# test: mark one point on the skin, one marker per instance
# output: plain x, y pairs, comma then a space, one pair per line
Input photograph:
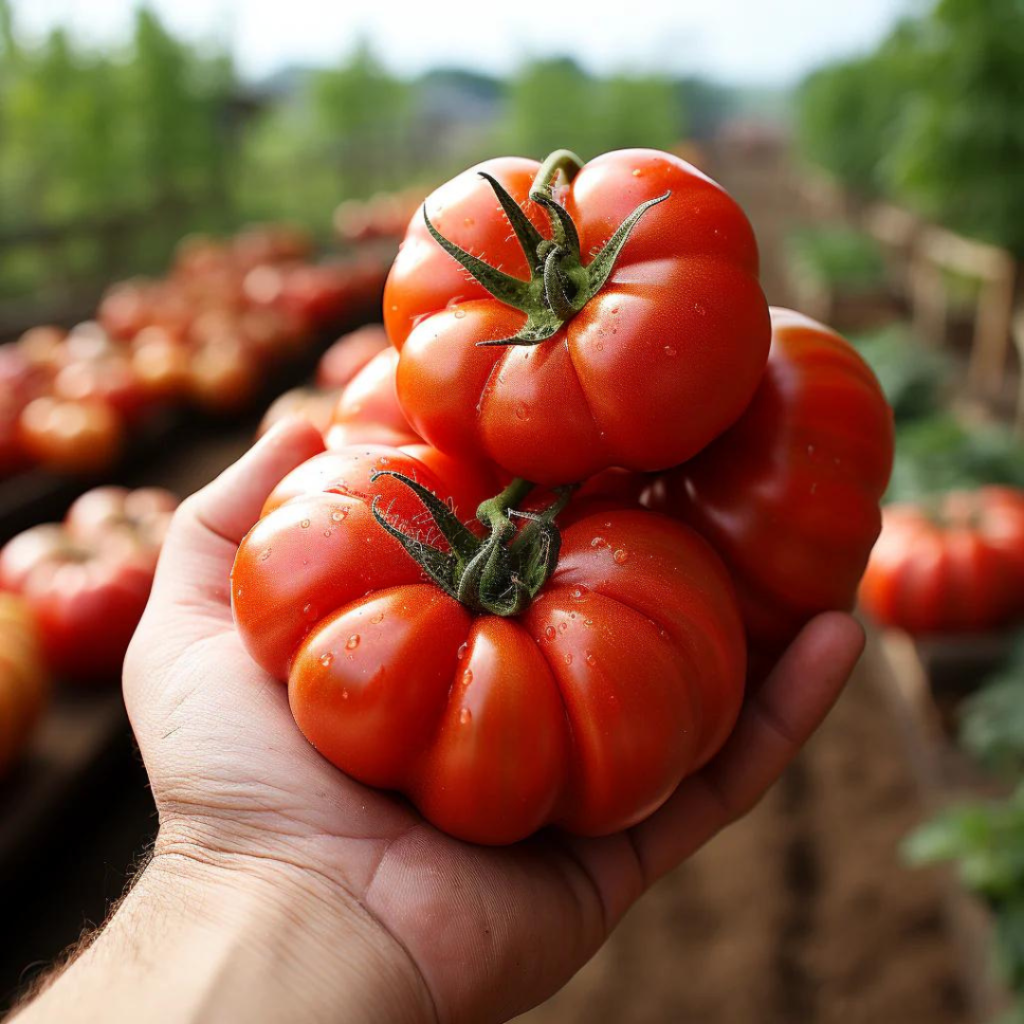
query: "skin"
955, 566
321, 898
661, 360
794, 486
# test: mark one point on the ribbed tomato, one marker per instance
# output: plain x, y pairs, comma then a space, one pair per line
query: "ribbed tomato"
504, 678
789, 496
953, 565
556, 368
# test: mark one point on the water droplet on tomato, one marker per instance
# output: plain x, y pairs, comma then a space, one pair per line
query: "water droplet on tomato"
352, 642
465, 716
637, 172
522, 412
598, 542
304, 524
326, 659
463, 649
467, 677
563, 626
671, 350
309, 611
459, 314
339, 514
379, 617
621, 556
549, 633
568, 659
577, 592
264, 554
591, 660
344, 694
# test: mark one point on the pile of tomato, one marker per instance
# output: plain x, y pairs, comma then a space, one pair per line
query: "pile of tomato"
208, 333
384, 215
588, 496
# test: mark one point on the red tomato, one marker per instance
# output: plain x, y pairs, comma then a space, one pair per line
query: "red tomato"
368, 411
86, 598
43, 347
349, 354
954, 565
24, 683
223, 376
110, 379
161, 363
789, 496
143, 514
71, 436
127, 308
640, 367
583, 707
314, 406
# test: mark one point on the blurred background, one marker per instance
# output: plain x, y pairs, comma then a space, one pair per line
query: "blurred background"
197, 198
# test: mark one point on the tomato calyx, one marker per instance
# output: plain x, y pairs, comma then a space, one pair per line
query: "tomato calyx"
499, 574
560, 285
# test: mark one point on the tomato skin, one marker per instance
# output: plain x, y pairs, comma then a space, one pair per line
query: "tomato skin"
368, 409
663, 359
956, 566
625, 673
349, 354
789, 495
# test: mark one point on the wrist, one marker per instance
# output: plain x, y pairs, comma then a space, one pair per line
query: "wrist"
212, 936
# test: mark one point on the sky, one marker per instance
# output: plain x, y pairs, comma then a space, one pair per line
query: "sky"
743, 41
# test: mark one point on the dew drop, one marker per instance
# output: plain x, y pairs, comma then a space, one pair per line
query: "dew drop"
327, 533
522, 412
671, 350
465, 716
379, 617
339, 514
326, 659
238, 592
614, 310
599, 346
621, 556
264, 554
549, 633
598, 542
588, 622
304, 524
568, 659
563, 626
352, 642
463, 649
576, 593
344, 694
591, 660
637, 172
309, 611
459, 314
467, 677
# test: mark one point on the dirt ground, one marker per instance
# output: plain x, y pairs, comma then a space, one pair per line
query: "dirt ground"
800, 914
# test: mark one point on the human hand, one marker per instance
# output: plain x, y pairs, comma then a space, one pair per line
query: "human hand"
446, 930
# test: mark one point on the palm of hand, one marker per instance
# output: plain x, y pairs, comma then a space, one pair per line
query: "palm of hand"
491, 931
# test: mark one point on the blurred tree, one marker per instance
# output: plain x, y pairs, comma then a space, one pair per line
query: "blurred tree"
960, 153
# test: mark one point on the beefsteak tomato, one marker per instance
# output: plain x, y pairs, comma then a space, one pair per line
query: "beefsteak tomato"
503, 675
555, 368
953, 565
789, 496
367, 411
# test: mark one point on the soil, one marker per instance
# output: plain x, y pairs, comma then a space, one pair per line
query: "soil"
800, 914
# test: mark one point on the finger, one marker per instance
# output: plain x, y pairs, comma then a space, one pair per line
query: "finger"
775, 723
207, 528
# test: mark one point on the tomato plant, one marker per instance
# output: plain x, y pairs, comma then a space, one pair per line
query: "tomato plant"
789, 495
504, 674
954, 564
615, 320
87, 580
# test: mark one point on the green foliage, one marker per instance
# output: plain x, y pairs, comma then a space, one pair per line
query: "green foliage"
933, 117
914, 378
939, 453
960, 154
986, 840
837, 257
554, 104
992, 720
